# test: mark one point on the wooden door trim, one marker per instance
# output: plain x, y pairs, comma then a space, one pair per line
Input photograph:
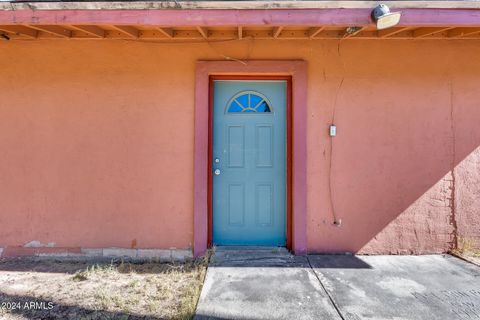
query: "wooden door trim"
296, 70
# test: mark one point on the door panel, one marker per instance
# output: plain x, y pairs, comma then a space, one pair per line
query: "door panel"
249, 150
264, 147
236, 204
236, 146
264, 204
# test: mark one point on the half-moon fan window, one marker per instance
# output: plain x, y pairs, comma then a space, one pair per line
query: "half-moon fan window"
249, 101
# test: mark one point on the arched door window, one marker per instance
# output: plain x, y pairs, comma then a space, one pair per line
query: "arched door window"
249, 101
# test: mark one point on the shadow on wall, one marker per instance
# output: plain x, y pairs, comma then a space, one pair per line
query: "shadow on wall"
409, 182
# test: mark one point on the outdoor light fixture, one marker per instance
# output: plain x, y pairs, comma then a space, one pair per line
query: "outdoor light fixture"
384, 19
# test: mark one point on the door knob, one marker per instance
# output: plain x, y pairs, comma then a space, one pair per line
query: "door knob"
217, 172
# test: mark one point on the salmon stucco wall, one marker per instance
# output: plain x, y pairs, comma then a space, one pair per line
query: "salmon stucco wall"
97, 142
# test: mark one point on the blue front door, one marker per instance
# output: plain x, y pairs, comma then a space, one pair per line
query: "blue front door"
249, 162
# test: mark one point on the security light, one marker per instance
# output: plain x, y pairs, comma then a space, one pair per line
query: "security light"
384, 19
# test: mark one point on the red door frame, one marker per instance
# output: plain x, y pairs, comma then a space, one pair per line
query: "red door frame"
288, 79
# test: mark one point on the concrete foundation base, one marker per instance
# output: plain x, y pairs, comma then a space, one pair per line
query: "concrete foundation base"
161, 255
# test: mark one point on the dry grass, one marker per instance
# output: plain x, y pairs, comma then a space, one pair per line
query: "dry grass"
467, 247
101, 291
467, 250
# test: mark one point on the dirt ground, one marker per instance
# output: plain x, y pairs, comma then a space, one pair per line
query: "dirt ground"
39, 289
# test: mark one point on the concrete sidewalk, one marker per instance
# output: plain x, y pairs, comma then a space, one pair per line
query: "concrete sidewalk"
269, 283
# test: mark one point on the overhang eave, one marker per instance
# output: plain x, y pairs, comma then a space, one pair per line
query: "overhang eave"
185, 24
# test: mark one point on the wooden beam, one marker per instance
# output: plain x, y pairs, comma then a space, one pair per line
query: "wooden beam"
20, 30
131, 32
228, 17
155, 35
223, 5
276, 31
240, 32
55, 30
264, 34
203, 32
313, 32
390, 32
90, 30
167, 32
294, 35
462, 32
424, 32
258, 34
223, 34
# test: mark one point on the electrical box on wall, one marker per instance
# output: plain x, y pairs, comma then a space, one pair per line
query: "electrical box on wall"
333, 130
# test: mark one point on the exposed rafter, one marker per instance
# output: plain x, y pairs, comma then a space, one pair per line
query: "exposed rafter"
90, 30
276, 31
54, 30
203, 32
167, 32
391, 31
425, 32
20, 30
16, 31
131, 32
462, 32
313, 32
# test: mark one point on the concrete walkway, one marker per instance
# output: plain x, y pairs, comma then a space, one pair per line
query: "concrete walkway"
269, 283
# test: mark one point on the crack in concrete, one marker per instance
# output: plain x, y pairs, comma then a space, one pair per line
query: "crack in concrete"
337, 308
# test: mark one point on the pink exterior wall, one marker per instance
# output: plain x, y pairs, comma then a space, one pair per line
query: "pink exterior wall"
97, 141
467, 171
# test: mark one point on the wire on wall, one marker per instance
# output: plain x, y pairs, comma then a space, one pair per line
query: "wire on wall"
336, 220
453, 202
205, 41
225, 56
